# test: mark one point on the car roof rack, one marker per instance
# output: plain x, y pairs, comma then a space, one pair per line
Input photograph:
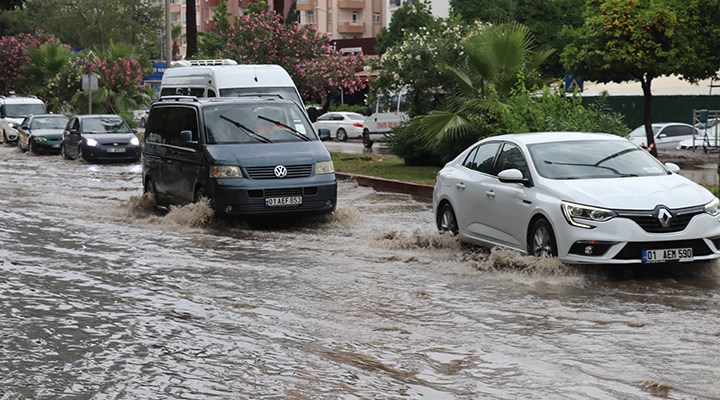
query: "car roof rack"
198, 63
178, 98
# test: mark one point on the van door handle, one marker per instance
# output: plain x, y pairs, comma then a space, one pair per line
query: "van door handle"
460, 185
490, 194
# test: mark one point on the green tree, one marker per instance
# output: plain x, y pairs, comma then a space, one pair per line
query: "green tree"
498, 57
11, 4
257, 7
44, 64
211, 43
494, 11
92, 24
409, 18
641, 40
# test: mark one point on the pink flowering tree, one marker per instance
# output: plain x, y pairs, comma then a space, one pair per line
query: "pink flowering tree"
317, 69
14, 59
120, 76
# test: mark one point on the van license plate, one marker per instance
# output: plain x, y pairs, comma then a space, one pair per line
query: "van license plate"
116, 150
283, 201
667, 255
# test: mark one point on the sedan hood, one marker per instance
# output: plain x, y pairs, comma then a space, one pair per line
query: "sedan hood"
634, 193
48, 133
105, 138
265, 154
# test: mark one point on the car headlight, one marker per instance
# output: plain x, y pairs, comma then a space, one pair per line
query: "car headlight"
39, 139
10, 124
324, 167
91, 142
135, 141
713, 207
578, 215
225, 171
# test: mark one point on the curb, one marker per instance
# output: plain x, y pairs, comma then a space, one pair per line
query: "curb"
420, 192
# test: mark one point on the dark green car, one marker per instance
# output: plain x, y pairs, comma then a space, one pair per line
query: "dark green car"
41, 133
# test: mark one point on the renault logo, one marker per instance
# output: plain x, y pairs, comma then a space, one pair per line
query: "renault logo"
664, 216
280, 171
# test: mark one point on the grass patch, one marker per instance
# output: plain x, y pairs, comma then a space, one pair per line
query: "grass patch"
383, 166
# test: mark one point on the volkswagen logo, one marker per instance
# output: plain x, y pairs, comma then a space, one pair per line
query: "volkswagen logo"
664, 216
280, 171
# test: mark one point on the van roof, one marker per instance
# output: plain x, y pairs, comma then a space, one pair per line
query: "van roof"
228, 76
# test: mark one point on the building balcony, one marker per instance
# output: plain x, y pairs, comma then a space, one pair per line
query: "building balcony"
351, 27
351, 4
305, 5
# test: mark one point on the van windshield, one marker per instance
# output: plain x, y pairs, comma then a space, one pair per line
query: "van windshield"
256, 123
22, 110
287, 93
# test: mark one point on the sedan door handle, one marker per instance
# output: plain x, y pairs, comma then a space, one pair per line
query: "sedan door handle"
460, 186
490, 194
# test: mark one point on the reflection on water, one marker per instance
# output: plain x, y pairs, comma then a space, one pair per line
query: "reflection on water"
104, 296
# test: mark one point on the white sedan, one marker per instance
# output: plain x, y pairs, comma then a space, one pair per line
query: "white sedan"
342, 125
581, 197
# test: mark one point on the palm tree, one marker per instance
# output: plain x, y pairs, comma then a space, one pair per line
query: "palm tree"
44, 63
498, 57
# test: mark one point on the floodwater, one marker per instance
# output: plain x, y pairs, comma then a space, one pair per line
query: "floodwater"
103, 297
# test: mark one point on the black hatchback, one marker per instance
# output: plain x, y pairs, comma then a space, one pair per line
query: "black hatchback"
100, 138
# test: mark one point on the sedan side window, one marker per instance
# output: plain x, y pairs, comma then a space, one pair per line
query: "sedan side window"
481, 159
512, 157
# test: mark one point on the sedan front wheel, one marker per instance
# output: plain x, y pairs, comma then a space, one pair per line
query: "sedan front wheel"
542, 240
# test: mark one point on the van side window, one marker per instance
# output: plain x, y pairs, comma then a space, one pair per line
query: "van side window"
211, 93
155, 129
404, 106
181, 119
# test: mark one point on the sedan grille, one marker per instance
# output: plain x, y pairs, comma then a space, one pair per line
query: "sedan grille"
649, 221
633, 250
293, 171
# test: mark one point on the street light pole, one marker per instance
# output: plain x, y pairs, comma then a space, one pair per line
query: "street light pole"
168, 35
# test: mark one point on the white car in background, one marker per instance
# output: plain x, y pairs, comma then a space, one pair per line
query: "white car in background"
342, 125
707, 137
667, 134
582, 197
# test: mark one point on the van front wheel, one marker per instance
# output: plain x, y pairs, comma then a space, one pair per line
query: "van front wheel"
366, 139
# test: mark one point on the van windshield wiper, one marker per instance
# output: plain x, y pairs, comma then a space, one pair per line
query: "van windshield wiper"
288, 128
247, 130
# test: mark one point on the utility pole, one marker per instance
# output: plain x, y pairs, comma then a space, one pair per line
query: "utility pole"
168, 35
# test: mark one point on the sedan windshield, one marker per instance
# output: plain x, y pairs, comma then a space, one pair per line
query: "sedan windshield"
105, 125
640, 131
592, 159
58, 122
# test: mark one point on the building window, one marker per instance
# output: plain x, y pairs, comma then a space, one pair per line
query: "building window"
354, 17
329, 16
376, 18
174, 16
310, 18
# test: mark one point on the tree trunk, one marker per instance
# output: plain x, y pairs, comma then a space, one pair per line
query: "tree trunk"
647, 114
191, 24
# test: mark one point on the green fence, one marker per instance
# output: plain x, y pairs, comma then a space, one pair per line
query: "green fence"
664, 108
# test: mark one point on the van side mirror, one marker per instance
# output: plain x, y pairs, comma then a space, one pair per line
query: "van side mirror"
186, 137
324, 134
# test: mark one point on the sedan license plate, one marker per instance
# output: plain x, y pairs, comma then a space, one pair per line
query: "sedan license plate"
116, 150
667, 255
283, 201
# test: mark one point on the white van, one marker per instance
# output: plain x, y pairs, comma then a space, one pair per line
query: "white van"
225, 78
388, 111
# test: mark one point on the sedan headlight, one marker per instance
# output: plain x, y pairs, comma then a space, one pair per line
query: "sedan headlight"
10, 124
324, 167
39, 139
578, 215
135, 141
713, 207
225, 171
91, 142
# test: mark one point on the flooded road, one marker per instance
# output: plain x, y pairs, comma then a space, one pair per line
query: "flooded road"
103, 297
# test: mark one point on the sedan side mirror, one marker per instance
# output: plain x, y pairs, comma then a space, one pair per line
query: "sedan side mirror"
513, 175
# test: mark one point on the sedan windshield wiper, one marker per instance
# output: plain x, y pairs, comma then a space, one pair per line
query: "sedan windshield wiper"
247, 130
288, 128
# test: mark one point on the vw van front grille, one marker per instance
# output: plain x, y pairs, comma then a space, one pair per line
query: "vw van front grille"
293, 171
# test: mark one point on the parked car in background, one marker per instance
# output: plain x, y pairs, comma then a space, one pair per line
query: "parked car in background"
140, 115
667, 134
13, 109
41, 133
342, 125
707, 137
100, 137
581, 197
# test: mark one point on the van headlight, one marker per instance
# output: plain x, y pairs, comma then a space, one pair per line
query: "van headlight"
713, 207
324, 167
578, 215
225, 171
39, 139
